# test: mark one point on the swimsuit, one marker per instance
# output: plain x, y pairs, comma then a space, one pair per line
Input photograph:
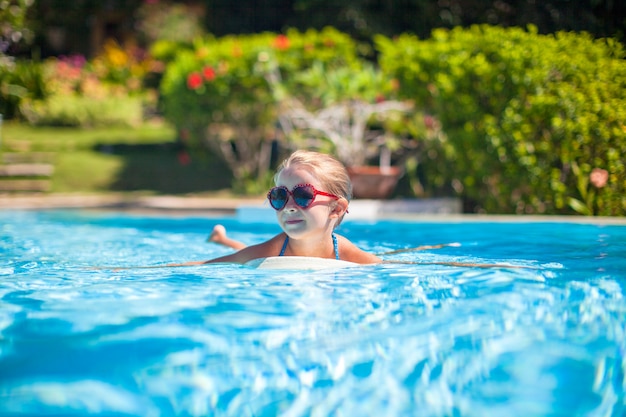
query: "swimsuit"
335, 247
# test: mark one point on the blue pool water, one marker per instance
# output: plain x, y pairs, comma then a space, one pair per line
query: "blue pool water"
421, 339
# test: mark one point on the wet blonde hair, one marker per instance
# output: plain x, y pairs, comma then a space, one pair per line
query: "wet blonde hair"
331, 173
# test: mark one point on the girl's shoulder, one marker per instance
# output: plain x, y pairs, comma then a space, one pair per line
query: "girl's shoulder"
350, 252
263, 250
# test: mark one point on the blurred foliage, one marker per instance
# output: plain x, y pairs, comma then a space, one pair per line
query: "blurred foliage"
74, 22
125, 66
104, 91
167, 21
528, 117
361, 19
84, 111
14, 28
228, 94
350, 111
217, 96
17, 79
22, 80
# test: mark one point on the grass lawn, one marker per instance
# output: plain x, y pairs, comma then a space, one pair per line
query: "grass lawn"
143, 159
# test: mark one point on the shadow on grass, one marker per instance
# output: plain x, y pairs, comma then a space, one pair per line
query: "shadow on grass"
165, 168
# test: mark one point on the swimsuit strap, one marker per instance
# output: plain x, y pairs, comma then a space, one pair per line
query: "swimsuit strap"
282, 251
335, 246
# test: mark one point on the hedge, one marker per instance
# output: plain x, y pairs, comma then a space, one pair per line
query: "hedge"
535, 123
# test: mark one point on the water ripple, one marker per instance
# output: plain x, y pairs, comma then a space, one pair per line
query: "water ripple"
542, 333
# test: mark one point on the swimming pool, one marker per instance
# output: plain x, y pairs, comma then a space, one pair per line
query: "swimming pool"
423, 339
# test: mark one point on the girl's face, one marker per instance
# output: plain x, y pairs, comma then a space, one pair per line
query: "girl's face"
319, 217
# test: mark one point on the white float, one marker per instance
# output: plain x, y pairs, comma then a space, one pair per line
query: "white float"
298, 262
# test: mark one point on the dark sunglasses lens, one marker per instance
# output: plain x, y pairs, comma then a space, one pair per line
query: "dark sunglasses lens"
278, 198
303, 196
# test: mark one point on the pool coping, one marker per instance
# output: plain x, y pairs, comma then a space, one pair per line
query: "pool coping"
426, 210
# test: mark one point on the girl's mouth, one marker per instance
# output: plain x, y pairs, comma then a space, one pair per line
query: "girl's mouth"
293, 221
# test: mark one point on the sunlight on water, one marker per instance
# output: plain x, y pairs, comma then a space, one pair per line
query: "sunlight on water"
542, 334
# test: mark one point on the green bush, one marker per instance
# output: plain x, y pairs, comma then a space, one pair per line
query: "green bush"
535, 123
106, 91
20, 80
216, 93
77, 110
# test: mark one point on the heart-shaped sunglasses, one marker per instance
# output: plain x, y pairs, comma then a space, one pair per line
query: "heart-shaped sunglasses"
303, 195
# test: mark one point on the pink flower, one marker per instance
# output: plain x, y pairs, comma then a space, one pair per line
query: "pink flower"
76, 61
194, 81
599, 177
429, 122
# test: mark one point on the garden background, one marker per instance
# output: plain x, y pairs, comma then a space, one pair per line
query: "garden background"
513, 106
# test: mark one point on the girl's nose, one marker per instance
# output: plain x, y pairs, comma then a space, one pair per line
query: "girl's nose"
291, 205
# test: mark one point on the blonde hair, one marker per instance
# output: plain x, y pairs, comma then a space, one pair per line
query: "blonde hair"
331, 173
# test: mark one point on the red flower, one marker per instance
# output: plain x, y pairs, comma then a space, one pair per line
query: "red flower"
194, 81
209, 73
281, 42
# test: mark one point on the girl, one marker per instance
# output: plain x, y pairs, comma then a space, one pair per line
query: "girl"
311, 197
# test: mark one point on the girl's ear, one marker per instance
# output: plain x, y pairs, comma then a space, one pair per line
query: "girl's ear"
340, 208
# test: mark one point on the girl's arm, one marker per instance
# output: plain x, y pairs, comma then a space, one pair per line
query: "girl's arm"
218, 235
